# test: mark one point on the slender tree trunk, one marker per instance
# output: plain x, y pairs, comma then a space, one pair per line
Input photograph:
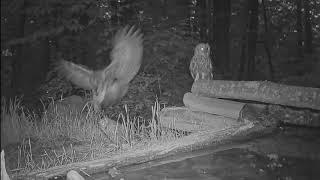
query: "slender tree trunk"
243, 58
193, 16
221, 34
307, 27
227, 35
18, 49
210, 22
164, 8
239, 48
202, 21
252, 37
248, 54
299, 27
267, 39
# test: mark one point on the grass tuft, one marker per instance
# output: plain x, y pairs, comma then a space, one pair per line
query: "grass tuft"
66, 135
16, 123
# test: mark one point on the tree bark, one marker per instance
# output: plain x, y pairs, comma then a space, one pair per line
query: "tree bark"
185, 119
239, 43
307, 27
263, 91
216, 106
299, 27
210, 22
202, 18
18, 49
222, 10
249, 51
267, 40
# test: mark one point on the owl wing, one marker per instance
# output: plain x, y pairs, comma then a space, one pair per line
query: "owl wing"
79, 75
192, 67
208, 67
126, 55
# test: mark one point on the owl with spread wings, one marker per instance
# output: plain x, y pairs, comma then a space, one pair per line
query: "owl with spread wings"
110, 84
200, 65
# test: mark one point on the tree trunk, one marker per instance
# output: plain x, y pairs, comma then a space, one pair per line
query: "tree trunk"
307, 27
250, 51
239, 45
221, 34
267, 39
299, 27
193, 17
243, 58
202, 18
263, 91
210, 23
18, 49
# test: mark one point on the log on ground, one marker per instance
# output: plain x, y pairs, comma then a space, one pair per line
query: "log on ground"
182, 118
262, 91
216, 106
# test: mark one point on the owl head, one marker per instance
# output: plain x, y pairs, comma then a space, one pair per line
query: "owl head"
202, 49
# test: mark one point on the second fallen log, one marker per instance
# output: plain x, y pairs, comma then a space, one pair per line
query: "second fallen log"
216, 106
262, 91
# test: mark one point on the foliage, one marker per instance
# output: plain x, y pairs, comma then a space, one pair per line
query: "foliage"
282, 16
57, 16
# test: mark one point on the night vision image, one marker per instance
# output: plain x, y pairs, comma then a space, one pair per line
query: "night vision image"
160, 89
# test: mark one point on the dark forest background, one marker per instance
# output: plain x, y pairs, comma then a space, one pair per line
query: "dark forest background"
274, 40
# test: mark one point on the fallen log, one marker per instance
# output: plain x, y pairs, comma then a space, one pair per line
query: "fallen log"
182, 118
185, 119
262, 91
216, 106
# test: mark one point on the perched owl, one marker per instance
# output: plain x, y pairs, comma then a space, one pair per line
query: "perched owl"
200, 65
111, 83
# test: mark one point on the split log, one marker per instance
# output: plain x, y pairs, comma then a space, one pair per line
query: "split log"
216, 106
263, 91
182, 118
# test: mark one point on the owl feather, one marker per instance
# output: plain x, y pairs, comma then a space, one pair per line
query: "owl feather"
111, 83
